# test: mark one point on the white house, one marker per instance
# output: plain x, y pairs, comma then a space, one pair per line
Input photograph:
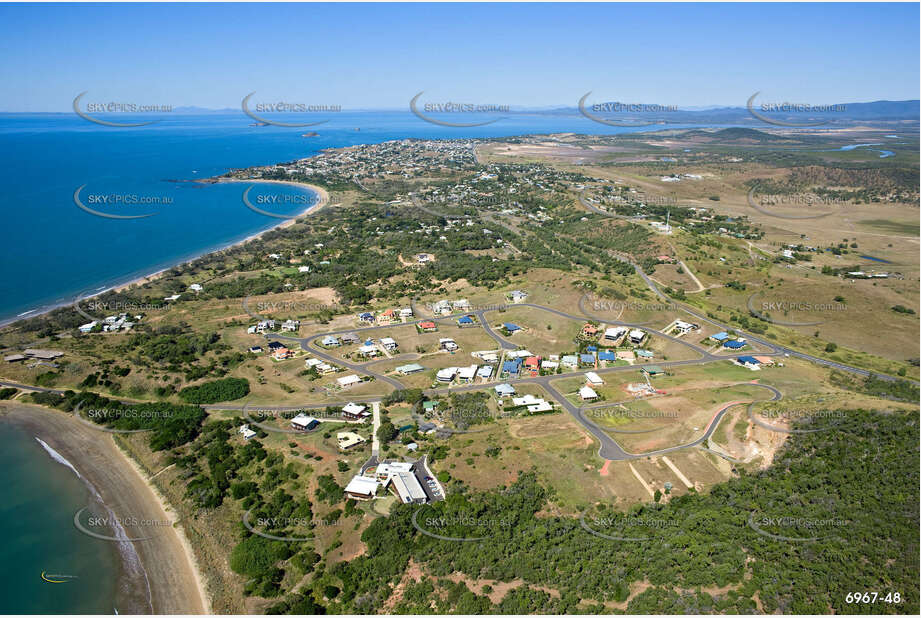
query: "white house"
290, 326
302, 422
347, 381
388, 343
348, 439
587, 393
246, 432
614, 333
196, 287
355, 411
86, 328
593, 379
637, 336
446, 375
361, 487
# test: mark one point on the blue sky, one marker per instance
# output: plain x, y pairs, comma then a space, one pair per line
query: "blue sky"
379, 56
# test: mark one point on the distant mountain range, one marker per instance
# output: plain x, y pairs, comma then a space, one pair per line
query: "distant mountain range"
850, 112
874, 111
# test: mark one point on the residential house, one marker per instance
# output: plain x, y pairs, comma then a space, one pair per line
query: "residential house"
589, 330
485, 372
645, 354
607, 355
510, 328
290, 326
613, 335
749, 361
348, 439
512, 367
389, 316
348, 381
427, 327
446, 343
504, 390
684, 327
549, 365
361, 488
570, 361
282, 353
446, 375
410, 369
516, 296
350, 338
366, 317
406, 312
368, 350
388, 343
653, 370
720, 337
734, 344
355, 412
330, 342
86, 328
532, 363
246, 432
466, 321
586, 393
587, 360
637, 336
467, 374
255, 350
302, 422
593, 379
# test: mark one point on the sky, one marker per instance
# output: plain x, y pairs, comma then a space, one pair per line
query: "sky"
378, 56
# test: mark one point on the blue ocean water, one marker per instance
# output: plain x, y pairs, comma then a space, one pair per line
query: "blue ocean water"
40, 499
54, 251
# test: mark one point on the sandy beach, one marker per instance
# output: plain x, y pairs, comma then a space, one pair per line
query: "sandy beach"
176, 584
322, 201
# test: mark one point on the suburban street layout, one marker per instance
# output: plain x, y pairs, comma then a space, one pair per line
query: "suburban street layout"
471, 309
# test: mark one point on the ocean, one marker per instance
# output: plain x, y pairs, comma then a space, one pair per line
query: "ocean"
46, 565
54, 251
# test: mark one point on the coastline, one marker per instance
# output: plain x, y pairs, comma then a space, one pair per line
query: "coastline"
175, 582
322, 201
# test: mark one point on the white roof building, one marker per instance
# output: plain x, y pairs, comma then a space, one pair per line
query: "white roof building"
467, 373
593, 378
350, 380
362, 487
353, 408
586, 393
303, 422
447, 374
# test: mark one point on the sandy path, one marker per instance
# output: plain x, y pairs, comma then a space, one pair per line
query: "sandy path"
175, 582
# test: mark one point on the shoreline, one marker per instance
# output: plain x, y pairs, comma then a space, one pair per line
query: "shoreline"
322, 201
175, 581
